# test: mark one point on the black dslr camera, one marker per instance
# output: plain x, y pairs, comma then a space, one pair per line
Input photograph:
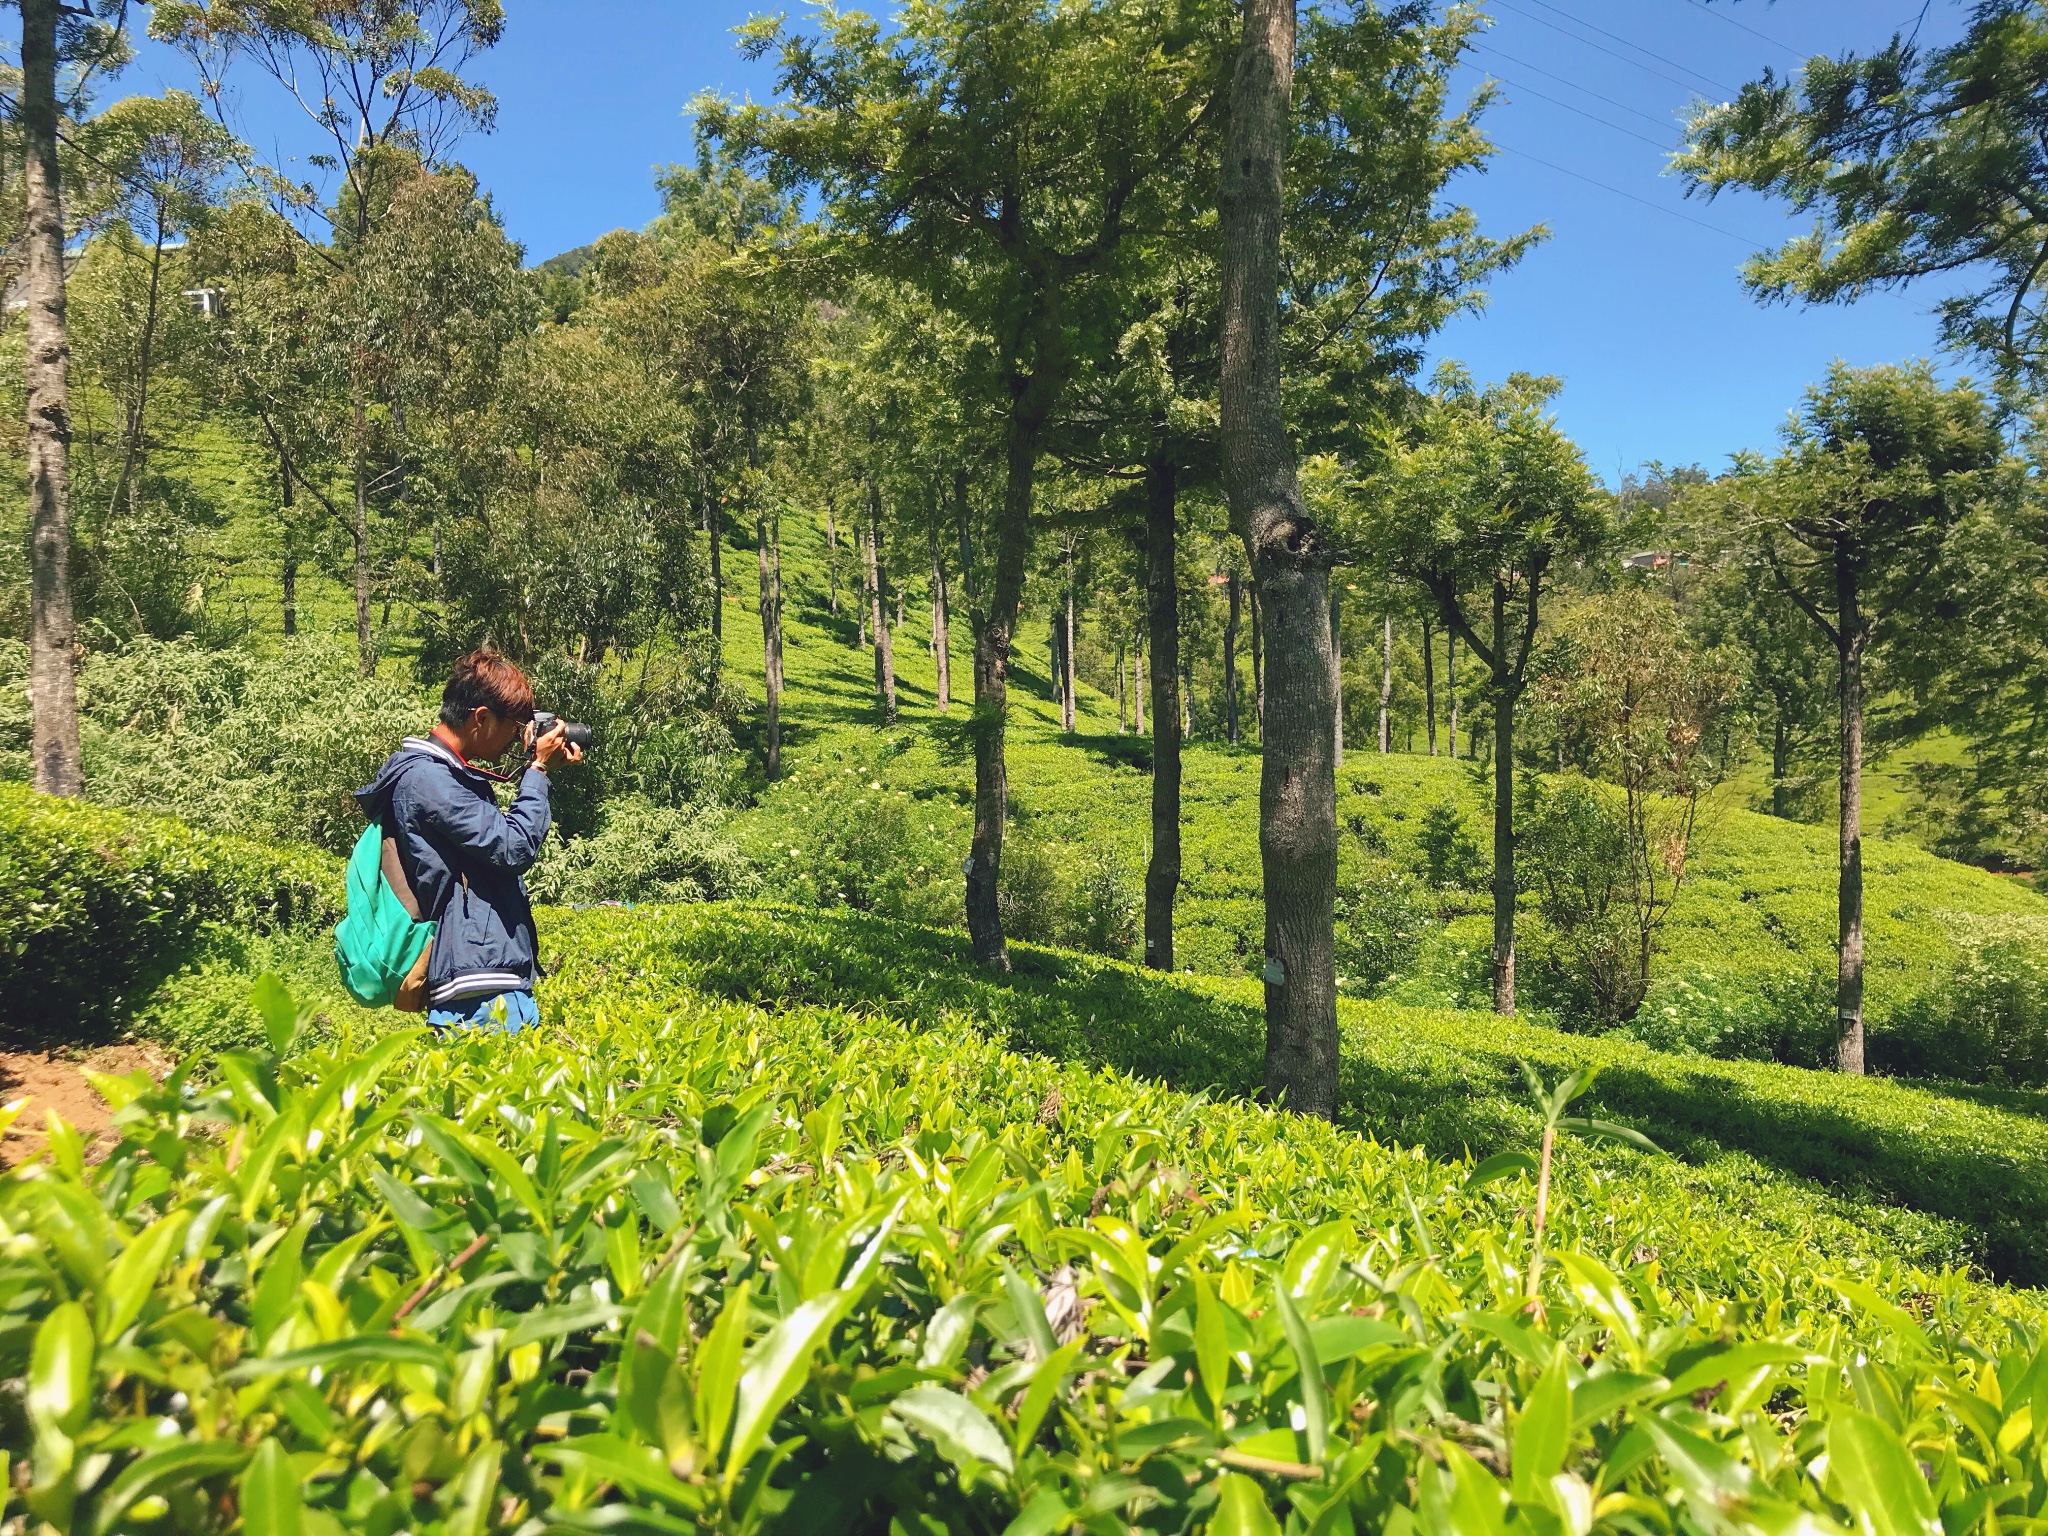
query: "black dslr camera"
577, 734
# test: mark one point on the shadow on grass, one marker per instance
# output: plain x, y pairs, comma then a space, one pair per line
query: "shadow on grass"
1448, 1082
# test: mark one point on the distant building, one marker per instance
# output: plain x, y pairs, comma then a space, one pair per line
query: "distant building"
1655, 560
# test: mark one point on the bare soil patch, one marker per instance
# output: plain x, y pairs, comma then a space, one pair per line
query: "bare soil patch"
56, 1080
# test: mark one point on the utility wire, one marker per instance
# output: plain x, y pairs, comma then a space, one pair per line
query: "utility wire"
1746, 27
1632, 63
1661, 122
1557, 10
1588, 116
1632, 197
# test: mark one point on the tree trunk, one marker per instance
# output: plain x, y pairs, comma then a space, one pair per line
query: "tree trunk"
768, 558
126, 485
1162, 637
942, 623
865, 565
1138, 692
289, 580
1031, 407
1187, 694
1451, 685
885, 657
1258, 666
1429, 683
53, 675
1290, 563
1781, 764
1067, 649
359, 533
1123, 709
1337, 668
1230, 660
1503, 810
832, 549
1386, 684
1851, 637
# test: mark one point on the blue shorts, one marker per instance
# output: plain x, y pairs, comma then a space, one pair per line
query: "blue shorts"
508, 1012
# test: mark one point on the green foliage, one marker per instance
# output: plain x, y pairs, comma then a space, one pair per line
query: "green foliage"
97, 906
645, 852
1451, 857
1785, 1016
1989, 1023
669, 1263
1383, 921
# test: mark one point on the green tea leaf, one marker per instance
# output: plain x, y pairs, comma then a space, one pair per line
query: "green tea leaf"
775, 1368
1878, 1477
1241, 1508
1030, 1310
135, 1272
1543, 1432
60, 1371
1315, 1408
1500, 1166
1212, 1345
718, 1365
273, 1001
270, 1500
961, 1431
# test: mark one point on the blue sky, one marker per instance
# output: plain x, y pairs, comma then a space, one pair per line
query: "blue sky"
1634, 301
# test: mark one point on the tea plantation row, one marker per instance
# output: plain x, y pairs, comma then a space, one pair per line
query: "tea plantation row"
672, 1263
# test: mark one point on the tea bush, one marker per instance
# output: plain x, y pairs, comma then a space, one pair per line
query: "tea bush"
98, 905
645, 852
670, 1264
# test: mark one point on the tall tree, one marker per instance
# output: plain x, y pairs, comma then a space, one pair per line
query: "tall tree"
995, 155
1475, 503
381, 88
1852, 518
1290, 560
53, 682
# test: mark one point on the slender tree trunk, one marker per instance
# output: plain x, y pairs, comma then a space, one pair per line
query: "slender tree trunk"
1851, 637
1337, 669
832, 549
1067, 648
768, 558
866, 566
1451, 685
289, 580
1032, 400
1504, 691
1230, 623
1162, 636
714, 525
53, 675
127, 485
1138, 691
1123, 711
1258, 664
359, 532
942, 623
1187, 694
1429, 683
1386, 684
1781, 763
885, 657
1290, 563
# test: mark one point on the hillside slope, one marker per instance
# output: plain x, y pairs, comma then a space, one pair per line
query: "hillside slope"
1757, 922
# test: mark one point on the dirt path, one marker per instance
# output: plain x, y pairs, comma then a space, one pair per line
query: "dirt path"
56, 1080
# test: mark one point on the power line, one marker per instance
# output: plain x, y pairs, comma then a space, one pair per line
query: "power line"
1746, 27
1661, 122
1632, 63
1588, 116
1632, 197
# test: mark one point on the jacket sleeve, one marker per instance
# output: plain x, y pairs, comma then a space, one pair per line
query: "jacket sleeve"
503, 840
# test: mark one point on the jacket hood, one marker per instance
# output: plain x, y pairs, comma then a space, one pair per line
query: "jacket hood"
374, 798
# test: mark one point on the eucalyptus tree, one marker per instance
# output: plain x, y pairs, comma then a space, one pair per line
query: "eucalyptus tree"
1852, 519
381, 89
1475, 500
53, 35
1000, 158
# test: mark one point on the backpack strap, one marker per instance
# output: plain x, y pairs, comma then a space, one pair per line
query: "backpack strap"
394, 876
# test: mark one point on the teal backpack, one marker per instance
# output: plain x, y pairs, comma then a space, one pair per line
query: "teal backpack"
382, 939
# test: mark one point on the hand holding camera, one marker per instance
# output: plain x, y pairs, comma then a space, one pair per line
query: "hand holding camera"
552, 738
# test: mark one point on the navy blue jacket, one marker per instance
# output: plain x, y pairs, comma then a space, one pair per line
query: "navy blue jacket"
463, 859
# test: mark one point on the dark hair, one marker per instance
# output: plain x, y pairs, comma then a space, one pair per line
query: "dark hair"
485, 680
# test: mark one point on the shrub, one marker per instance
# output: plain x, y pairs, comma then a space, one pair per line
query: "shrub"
97, 906
1785, 1016
1028, 893
1103, 907
1383, 920
645, 852
1988, 1024
1451, 858
836, 835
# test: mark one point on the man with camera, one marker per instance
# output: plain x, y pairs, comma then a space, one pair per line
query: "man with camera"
458, 858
